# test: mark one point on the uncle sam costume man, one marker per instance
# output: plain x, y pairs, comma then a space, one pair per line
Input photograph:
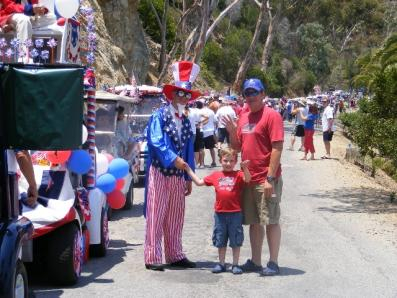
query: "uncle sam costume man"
170, 150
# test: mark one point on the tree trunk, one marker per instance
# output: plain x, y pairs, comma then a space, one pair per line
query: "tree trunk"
178, 41
183, 24
171, 56
163, 34
270, 34
163, 31
190, 41
242, 71
205, 10
349, 32
220, 18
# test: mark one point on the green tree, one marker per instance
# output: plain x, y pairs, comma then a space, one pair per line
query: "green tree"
374, 126
151, 25
314, 48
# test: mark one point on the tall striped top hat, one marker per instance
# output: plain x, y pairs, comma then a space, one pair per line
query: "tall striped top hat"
184, 73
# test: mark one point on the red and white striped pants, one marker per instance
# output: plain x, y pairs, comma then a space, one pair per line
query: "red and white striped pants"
165, 212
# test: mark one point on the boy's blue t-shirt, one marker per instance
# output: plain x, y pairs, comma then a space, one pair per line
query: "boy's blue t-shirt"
309, 123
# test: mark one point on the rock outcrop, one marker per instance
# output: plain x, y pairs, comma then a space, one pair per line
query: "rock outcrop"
121, 45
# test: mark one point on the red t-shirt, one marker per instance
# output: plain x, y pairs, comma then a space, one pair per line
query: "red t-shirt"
256, 132
237, 109
228, 188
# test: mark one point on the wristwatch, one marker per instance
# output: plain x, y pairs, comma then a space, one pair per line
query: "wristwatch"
270, 179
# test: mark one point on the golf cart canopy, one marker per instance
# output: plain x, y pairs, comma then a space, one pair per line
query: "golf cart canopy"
107, 97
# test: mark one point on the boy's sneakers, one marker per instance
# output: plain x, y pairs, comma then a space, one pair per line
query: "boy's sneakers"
219, 268
250, 266
271, 269
236, 269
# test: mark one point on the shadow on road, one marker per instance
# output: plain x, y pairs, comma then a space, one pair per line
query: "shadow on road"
91, 273
358, 200
286, 271
135, 211
200, 265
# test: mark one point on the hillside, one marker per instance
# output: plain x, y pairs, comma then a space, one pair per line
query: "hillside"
313, 42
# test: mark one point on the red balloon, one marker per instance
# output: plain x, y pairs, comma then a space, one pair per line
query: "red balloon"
61, 22
58, 156
109, 157
120, 184
116, 199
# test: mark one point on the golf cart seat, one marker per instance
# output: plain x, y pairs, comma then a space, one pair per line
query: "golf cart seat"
55, 205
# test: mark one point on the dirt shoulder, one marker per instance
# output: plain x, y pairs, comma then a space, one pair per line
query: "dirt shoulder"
372, 193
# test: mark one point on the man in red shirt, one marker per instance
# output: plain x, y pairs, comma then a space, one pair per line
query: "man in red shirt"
259, 134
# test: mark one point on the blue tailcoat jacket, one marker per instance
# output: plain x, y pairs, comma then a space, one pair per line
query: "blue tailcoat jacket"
165, 145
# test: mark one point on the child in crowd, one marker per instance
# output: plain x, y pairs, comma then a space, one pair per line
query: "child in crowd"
309, 130
228, 185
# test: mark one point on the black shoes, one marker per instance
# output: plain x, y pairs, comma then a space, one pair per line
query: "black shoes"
184, 263
155, 267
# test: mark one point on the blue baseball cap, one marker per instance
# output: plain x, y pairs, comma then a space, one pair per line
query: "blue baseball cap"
253, 84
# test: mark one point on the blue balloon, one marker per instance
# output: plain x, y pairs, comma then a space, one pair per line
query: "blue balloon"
118, 167
106, 183
79, 162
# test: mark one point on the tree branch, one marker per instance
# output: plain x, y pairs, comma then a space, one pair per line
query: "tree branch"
155, 13
219, 18
347, 38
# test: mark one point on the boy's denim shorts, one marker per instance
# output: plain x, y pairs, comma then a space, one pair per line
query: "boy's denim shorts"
228, 226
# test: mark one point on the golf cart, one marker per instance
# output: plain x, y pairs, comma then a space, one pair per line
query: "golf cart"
42, 109
15, 232
114, 138
56, 241
139, 117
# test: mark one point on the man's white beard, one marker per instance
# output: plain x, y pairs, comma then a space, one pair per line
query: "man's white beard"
181, 109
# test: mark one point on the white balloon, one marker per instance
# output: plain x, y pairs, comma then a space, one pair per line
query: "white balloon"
84, 134
102, 164
67, 8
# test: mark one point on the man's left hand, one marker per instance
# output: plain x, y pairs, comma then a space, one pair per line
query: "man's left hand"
188, 190
267, 189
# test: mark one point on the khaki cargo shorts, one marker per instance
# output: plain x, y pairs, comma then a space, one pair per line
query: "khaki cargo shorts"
260, 210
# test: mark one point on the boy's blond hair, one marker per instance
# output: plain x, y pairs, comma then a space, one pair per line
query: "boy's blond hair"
227, 151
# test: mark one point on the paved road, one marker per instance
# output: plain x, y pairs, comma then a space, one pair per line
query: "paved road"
338, 240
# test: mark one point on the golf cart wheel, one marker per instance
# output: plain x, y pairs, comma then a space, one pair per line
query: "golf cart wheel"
109, 213
20, 281
129, 197
99, 250
65, 255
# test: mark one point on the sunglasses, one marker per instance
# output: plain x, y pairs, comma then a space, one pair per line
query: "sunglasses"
182, 93
250, 93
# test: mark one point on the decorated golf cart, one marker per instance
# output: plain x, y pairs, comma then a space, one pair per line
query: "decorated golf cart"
145, 100
42, 110
114, 139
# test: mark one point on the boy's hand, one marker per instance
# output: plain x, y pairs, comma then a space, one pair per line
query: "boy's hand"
244, 164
